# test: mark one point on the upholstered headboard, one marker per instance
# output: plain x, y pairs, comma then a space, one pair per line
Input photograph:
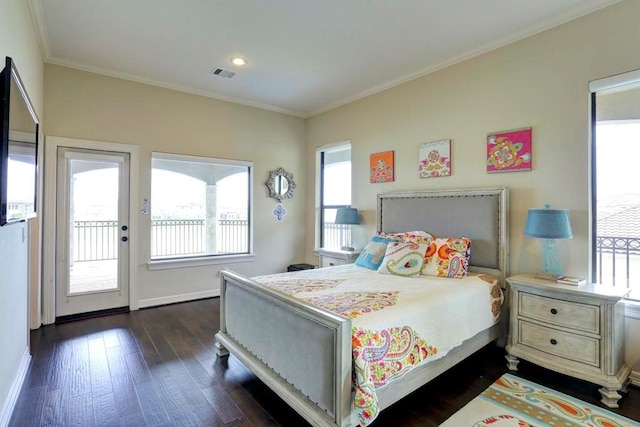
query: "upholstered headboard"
478, 214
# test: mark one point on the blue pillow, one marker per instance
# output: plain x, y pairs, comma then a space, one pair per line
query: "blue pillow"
372, 255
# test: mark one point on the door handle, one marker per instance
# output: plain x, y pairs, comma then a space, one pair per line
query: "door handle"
125, 228
124, 238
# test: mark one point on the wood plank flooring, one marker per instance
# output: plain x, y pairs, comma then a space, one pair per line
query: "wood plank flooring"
157, 367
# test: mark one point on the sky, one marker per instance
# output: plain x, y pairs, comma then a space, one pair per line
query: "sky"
618, 154
21, 189
98, 188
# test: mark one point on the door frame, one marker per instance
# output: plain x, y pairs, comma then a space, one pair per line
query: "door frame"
50, 217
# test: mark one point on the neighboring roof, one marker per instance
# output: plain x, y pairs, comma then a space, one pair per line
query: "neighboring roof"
621, 222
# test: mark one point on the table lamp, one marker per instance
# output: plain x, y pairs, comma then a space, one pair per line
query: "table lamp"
549, 224
347, 216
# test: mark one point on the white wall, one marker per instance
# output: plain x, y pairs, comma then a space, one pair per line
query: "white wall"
95, 107
17, 40
541, 82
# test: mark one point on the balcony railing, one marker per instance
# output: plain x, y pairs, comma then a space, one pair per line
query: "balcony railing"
336, 235
618, 258
98, 240
171, 237
95, 240
618, 261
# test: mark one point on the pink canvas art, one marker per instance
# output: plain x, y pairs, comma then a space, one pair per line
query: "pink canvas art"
509, 151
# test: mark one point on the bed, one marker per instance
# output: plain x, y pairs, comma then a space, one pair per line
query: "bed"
303, 351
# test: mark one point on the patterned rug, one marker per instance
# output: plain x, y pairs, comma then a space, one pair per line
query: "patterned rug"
512, 401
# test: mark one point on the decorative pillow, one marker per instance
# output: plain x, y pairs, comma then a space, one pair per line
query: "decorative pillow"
372, 255
447, 257
391, 236
417, 237
407, 236
403, 259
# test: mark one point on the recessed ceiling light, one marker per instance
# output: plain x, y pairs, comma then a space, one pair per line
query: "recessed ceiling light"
239, 61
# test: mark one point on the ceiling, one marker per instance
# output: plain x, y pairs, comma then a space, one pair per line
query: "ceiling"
305, 56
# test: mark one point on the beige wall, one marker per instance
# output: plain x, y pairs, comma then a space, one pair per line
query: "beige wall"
540, 82
17, 40
91, 106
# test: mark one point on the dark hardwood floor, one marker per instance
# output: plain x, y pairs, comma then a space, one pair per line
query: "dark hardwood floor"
157, 367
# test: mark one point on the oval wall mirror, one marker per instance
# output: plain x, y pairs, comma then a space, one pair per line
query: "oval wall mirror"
280, 184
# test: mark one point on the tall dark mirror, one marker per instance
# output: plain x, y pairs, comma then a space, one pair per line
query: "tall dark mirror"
18, 149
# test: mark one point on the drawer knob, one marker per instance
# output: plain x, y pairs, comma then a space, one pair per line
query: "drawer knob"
554, 311
553, 341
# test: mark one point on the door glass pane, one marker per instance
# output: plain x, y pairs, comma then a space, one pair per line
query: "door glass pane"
93, 216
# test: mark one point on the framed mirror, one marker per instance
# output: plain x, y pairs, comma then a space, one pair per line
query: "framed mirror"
280, 184
18, 148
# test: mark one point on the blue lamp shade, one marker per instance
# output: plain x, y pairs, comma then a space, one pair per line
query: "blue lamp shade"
347, 216
548, 224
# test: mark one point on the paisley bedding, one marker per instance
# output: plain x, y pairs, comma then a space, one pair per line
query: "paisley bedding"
397, 322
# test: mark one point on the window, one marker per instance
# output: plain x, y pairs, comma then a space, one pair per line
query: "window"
200, 207
615, 194
334, 191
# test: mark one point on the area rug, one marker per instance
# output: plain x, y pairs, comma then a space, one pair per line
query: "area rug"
512, 401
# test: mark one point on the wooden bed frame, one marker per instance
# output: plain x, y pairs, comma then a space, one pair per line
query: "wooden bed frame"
303, 352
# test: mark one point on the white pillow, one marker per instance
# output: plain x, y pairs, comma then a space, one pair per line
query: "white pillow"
403, 259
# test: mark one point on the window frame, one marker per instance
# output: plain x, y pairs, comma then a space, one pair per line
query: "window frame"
632, 306
209, 259
320, 207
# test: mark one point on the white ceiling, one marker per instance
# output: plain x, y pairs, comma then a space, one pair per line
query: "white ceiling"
305, 56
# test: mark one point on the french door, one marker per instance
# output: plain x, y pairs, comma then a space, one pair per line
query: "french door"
92, 231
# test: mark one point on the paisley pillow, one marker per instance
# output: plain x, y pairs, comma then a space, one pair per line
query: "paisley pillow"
403, 259
417, 237
391, 236
447, 257
406, 236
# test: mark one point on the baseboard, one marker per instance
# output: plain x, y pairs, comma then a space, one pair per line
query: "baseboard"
14, 391
152, 302
635, 378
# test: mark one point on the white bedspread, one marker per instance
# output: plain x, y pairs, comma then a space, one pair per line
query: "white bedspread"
397, 322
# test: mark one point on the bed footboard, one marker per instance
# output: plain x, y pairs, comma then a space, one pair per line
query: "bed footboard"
270, 331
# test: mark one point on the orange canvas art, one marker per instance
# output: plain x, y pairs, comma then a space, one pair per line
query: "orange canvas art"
381, 167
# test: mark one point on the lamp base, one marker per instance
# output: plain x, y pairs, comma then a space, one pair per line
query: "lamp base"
550, 257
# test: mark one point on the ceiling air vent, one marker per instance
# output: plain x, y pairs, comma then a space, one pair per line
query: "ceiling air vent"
223, 73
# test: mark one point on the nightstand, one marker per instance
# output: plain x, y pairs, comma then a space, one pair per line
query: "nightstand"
331, 257
574, 330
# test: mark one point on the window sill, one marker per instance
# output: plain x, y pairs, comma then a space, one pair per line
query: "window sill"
198, 261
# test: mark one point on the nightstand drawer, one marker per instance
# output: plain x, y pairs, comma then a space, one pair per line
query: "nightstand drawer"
330, 262
331, 257
566, 345
581, 317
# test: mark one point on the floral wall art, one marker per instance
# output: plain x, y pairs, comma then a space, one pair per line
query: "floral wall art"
435, 159
509, 150
381, 167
